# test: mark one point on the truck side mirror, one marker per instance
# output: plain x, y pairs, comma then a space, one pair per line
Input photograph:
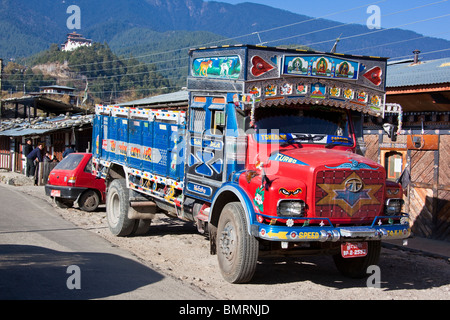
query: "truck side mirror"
390, 130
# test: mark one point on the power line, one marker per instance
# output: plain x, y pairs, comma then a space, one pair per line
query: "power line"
359, 21
422, 53
343, 38
233, 38
261, 31
381, 30
396, 42
134, 90
267, 30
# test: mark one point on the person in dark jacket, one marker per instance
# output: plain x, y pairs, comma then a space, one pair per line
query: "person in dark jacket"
26, 151
68, 151
35, 155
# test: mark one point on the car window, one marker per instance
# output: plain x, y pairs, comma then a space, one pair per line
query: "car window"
88, 167
70, 162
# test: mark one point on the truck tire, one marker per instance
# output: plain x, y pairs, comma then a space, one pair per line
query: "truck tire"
117, 204
357, 267
237, 251
89, 201
142, 227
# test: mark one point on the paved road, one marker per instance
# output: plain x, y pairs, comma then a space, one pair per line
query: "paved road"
37, 247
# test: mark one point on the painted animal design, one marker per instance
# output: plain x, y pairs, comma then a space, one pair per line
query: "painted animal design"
289, 193
225, 68
204, 66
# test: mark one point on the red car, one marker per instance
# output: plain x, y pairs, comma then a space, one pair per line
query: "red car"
72, 181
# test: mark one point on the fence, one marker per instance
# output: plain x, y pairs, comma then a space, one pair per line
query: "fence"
42, 172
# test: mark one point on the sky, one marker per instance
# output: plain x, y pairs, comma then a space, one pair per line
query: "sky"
426, 17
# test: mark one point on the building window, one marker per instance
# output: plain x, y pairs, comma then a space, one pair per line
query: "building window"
394, 163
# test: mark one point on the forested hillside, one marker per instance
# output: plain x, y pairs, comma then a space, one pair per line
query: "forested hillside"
108, 76
29, 26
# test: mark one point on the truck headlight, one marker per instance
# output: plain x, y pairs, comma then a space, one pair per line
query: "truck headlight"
394, 207
291, 208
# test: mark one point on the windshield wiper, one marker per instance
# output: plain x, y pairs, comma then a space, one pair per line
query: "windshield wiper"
290, 139
310, 137
296, 138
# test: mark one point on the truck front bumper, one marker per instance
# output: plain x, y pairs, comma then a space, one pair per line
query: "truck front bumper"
382, 227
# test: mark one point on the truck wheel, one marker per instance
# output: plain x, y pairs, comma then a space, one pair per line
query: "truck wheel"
89, 201
142, 227
237, 251
117, 204
357, 267
63, 203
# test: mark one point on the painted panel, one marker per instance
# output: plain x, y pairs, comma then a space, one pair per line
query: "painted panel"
224, 67
320, 66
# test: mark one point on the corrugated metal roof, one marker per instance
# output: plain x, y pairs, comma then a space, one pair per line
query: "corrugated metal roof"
22, 132
179, 96
423, 73
21, 127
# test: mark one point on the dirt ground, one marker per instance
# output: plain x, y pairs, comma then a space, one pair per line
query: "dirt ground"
175, 249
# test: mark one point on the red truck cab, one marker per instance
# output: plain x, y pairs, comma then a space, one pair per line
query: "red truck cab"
72, 181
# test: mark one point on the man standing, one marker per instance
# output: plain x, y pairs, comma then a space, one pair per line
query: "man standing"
26, 151
35, 155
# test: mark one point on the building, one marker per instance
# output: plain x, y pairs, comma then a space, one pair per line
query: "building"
59, 92
74, 41
422, 149
53, 132
57, 131
44, 120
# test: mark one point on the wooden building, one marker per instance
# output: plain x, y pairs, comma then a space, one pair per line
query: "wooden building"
422, 148
54, 133
43, 120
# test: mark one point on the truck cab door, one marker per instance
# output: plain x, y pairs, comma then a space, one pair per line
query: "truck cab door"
205, 147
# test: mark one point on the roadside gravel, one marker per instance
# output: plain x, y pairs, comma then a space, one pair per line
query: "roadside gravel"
174, 248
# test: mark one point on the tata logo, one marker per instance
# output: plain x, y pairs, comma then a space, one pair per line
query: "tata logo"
354, 185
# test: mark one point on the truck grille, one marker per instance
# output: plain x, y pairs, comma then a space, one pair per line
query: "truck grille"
348, 194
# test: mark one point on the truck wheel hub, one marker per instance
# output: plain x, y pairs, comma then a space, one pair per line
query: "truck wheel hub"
228, 241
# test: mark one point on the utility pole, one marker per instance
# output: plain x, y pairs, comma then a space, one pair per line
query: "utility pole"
1, 88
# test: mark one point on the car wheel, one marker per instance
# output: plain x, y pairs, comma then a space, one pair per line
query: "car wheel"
89, 201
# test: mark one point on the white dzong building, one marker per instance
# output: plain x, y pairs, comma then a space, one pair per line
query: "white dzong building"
74, 41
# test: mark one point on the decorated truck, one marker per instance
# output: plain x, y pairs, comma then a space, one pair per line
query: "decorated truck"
266, 160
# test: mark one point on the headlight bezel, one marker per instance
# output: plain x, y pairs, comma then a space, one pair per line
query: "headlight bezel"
393, 206
292, 208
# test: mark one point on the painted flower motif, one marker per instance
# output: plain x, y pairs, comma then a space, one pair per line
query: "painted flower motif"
259, 199
290, 222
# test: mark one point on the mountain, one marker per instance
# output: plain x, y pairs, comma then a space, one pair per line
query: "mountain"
29, 26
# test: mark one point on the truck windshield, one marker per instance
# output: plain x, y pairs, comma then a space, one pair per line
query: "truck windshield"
305, 124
